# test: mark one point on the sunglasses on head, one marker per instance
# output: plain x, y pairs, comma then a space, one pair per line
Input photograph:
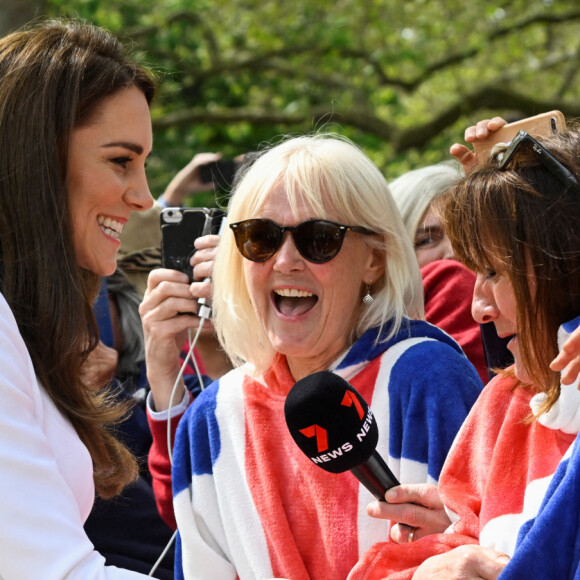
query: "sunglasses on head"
317, 241
523, 139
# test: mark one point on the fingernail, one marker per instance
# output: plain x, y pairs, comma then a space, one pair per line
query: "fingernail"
502, 559
391, 495
372, 508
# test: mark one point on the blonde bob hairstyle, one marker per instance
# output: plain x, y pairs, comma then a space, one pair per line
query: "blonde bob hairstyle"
415, 190
335, 179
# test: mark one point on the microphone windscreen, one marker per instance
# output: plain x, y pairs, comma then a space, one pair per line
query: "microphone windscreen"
330, 422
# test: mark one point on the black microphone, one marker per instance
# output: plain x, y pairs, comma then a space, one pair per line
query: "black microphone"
335, 428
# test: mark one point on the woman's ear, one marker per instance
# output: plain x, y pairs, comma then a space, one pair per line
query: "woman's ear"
375, 265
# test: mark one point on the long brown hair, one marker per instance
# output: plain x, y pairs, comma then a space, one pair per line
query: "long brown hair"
525, 219
53, 77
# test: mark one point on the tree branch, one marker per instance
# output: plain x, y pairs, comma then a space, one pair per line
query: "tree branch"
490, 97
459, 57
275, 59
485, 98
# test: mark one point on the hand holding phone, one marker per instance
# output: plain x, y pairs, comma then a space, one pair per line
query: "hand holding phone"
543, 125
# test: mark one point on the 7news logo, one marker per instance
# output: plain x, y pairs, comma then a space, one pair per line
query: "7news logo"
321, 434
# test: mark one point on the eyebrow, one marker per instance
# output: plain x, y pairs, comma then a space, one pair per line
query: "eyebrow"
425, 229
137, 149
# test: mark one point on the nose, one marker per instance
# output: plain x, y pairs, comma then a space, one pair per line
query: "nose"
447, 248
288, 257
483, 307
138, 195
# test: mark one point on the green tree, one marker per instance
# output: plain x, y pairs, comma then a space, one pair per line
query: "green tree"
15, 13
402, 78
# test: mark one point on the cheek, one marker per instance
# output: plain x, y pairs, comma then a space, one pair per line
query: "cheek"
255, 275
506, 300
425, 256
508, 308
78, 217
342, 290
89, 196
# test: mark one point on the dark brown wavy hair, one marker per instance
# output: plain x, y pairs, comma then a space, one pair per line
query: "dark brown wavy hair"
53, 78
523, 218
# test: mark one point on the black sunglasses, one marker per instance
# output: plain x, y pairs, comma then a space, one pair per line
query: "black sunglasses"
559, 171
317, 241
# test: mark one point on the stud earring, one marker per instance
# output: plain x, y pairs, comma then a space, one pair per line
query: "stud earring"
367, 299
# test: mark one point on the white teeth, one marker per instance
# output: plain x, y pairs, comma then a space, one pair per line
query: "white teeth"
111, 233
110, 226
293, 293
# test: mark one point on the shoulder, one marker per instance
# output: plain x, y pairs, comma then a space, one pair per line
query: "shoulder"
202, 411
419, 338
431, 363
500, 407
410, 333
503, 390
500, 398
7, 321
430, 353
199, 437
196, 439
417, 350
14, 357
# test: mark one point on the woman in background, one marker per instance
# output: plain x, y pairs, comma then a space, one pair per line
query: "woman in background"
447, 283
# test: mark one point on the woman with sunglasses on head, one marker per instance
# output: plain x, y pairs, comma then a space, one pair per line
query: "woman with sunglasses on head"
515, 222
314, 272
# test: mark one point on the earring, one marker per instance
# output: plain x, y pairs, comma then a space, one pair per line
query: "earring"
367, 299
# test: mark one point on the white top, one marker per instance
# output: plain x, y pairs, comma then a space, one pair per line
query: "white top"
46, 478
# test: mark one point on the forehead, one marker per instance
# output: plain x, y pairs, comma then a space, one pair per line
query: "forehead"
292, 201
124, 115
431, 217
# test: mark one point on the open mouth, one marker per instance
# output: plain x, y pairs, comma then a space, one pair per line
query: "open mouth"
111, 227
293, 302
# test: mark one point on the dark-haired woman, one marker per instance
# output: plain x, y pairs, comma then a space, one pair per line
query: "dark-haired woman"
75, 133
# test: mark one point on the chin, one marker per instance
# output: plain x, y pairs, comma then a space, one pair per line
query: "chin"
101, 269
107, 271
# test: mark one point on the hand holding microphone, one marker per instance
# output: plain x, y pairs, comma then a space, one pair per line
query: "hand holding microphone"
415, 509
333, 425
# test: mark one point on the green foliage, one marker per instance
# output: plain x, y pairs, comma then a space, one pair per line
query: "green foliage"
402, 78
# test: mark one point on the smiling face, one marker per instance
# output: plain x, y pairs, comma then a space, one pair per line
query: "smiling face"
431, 241
106, 179
308, 310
